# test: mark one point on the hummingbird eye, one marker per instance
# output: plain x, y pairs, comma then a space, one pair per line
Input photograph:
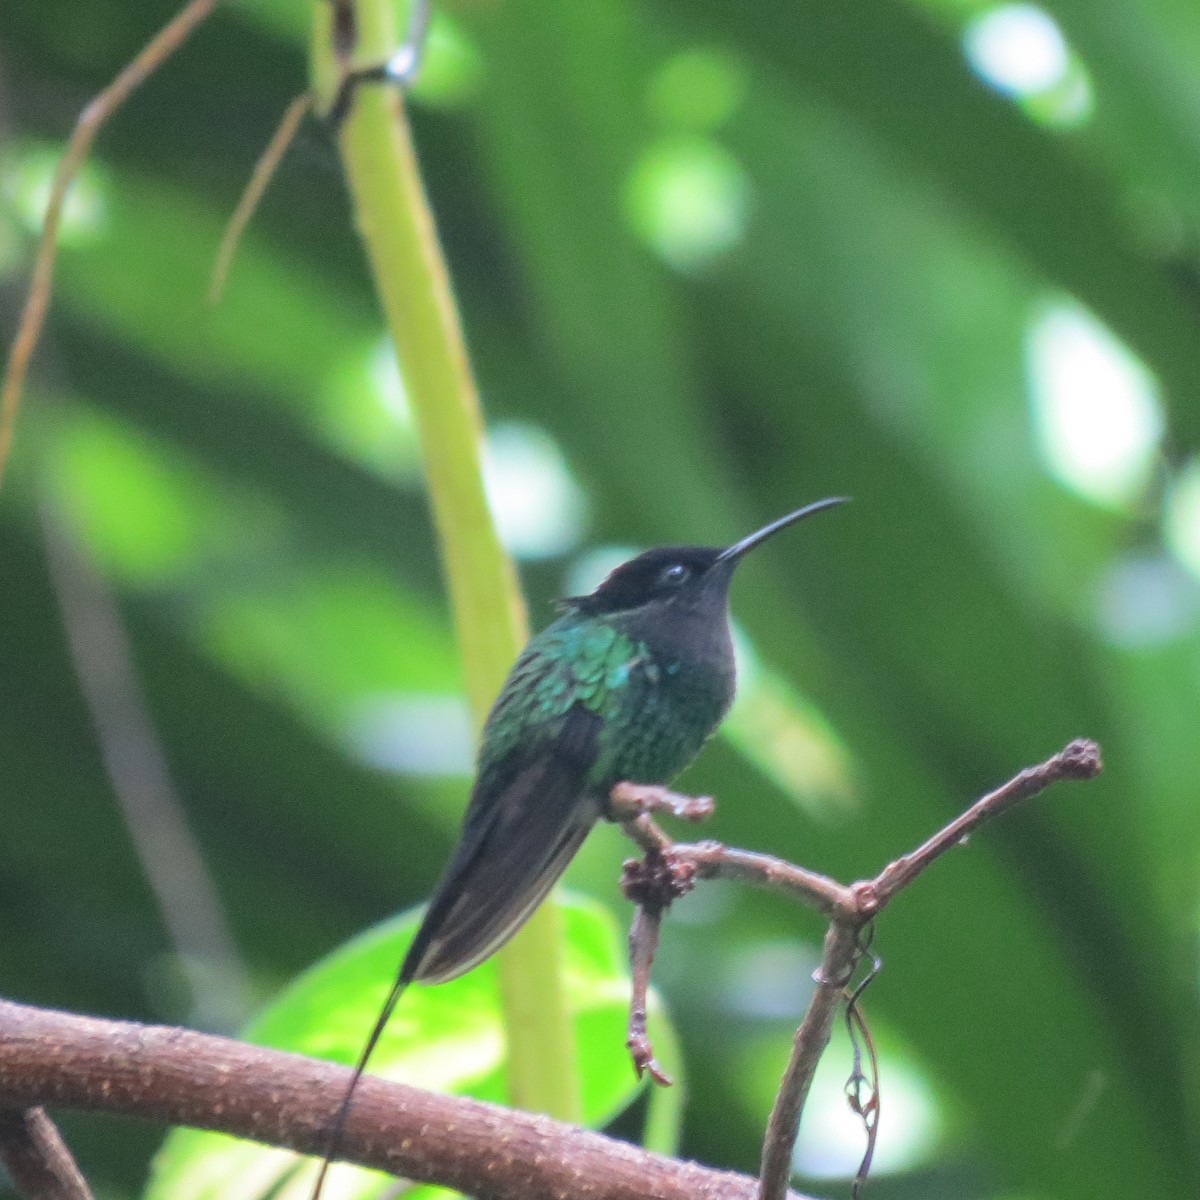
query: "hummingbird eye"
673, 575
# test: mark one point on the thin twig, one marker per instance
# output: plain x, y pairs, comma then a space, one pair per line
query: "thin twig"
1079, 759
37, 1158
631, 800
135, 762
715, 861
838, 959
849, 909
91, 120
260, 178
176, 1077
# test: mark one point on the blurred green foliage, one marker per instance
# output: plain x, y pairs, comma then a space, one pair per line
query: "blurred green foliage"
726, 259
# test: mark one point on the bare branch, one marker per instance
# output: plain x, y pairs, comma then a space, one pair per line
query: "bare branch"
715, 861
838, 960
37, 1158
1079, 759
849, 910
260, 179
181, 1078
631, 800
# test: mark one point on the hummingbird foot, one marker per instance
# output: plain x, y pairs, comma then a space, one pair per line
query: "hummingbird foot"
643, 942
644, 1062
651, 883
654, 881
628, 801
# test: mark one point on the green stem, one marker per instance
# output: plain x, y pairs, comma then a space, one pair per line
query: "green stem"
411, 280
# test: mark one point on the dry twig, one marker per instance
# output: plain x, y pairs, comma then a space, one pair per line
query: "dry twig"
91, 121
260, 179
655, 881
176, 1077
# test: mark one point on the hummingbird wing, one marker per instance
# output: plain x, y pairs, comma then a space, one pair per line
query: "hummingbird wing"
528, 816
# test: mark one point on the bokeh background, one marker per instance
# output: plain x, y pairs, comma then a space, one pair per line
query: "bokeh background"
714, 261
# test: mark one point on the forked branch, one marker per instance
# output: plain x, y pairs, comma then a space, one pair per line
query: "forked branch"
668, 870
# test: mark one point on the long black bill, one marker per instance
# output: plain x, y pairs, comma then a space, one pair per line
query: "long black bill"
734, 552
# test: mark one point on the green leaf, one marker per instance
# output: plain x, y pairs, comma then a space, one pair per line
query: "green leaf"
448, 1038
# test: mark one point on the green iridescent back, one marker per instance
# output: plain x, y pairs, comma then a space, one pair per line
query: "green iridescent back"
657, 709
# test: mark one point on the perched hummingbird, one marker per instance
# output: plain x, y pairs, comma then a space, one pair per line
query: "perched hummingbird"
625, 686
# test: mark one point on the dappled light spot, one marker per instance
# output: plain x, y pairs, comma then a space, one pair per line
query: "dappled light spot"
769, 980
590, 569
26, 176
1020, 50
772, 986
1147, 600
537, 504
830, 1145
1182, 517
363, 413
412, 733
697, 89
1096, 407
688, 199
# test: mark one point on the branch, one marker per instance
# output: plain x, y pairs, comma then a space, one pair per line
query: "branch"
37, 1158
838, 960
181, 1078
669, 870
1079, 759
33, 316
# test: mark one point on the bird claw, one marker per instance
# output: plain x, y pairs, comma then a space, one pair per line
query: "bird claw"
644, 1061
655, 881
639, 800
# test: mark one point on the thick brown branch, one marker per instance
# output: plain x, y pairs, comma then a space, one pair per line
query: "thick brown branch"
181, 1078
38, 1161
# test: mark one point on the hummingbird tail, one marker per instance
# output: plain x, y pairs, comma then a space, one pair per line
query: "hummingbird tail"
333, 1144
518, 839
522, 829
477, 911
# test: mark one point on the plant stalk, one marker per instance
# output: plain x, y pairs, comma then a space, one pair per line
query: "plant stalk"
412, 283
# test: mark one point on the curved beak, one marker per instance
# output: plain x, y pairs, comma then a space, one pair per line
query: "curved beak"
732, 553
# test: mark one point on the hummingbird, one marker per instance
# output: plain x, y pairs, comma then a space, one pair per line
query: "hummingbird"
625, 686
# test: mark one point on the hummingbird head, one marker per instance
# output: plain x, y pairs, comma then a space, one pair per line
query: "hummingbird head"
682, 576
